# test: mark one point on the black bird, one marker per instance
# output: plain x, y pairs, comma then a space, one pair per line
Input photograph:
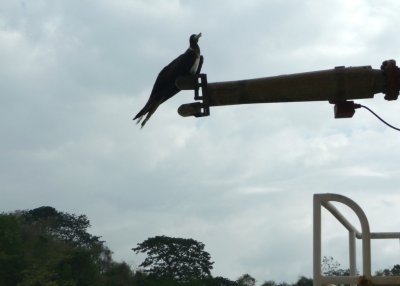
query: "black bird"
164, 88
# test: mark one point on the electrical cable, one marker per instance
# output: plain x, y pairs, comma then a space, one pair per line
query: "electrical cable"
356, 105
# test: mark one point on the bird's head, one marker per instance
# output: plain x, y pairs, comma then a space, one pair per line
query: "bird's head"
194, 39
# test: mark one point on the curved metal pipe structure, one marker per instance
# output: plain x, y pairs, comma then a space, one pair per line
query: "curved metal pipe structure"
324, 200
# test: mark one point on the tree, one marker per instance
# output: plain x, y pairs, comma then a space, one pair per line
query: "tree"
395, 271
179, 259
304, 281
46, 247
70, 228
119, 274
210, 281
269, 283
246, 280
58, 249
273, 283
330, 267
11, 241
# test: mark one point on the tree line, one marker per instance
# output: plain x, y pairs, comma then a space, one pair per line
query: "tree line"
45, 247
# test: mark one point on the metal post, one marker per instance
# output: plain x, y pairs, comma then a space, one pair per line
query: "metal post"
352, 253
317, 241
366, 247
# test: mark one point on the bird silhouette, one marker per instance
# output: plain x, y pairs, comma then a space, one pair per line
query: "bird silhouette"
188, 63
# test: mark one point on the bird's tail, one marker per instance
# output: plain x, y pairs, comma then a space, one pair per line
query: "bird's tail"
138, 119
147, 109
145, 120
142, 112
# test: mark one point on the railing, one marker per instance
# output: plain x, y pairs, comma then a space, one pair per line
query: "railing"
324, 200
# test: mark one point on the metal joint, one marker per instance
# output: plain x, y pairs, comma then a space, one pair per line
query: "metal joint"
195, 82
364, 281
392, 74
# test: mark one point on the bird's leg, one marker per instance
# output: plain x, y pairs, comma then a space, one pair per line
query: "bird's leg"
200, 65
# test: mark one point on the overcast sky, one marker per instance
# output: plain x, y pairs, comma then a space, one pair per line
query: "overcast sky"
74, 73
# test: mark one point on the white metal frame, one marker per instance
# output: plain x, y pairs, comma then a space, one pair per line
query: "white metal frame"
324, 200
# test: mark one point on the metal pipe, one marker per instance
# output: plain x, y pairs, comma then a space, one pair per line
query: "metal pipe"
365, 230
375, 280
385, 280
337, 280
338, 86
332, 85
337, 214
385, 235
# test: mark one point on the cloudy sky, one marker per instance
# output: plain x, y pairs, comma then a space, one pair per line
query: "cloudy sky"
74, 73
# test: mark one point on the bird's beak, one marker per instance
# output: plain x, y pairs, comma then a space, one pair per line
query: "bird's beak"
198, 36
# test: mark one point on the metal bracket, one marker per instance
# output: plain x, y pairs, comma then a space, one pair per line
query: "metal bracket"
194, 82
344, 109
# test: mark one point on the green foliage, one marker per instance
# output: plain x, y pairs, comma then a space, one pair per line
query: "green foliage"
45, 247
51, 248
11, 262
218, 281
304, 281
395, 271
246, 280
178, 259
269, 283
120, 274
69, 228
273, 283
210, 281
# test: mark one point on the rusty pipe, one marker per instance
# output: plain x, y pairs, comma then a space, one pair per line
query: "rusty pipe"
334, 85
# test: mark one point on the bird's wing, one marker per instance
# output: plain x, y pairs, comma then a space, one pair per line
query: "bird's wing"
164, 86
178, 67
165, 82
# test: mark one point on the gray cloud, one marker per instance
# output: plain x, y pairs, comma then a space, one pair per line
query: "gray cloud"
241, 181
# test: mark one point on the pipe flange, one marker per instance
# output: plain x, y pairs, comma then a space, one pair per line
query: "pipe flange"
392, 74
